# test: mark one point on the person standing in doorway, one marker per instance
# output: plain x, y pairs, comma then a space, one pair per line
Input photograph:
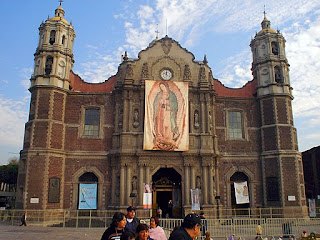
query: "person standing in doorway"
132, 221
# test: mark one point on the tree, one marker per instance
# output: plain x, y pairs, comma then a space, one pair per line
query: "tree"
9, 172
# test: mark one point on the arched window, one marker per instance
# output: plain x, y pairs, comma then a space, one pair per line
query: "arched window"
48, 67
277, 74
52, 37
275, 48
88, 177
63, 39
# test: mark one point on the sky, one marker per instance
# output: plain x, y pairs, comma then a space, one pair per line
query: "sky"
221, 29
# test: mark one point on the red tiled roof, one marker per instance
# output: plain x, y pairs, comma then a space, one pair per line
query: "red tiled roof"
78, 85
247, 91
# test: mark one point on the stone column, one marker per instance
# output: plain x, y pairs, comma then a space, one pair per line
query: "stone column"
211, 199
113, 186
203, 122
147, 176
140, 188
193, 178
125, 112
122, 183
186, 185
128, 185
205, 184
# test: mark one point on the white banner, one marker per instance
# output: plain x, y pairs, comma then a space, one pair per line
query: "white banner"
147, 196
242, 192
195, 202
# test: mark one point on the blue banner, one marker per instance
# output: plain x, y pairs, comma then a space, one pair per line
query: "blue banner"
87, 196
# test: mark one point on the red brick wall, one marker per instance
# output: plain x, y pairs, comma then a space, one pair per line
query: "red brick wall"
35, 180
270, 138
285, 138
43, 104
268, 112
58, 106
282, 111
56, 135
290, 179
40, 134
55, 170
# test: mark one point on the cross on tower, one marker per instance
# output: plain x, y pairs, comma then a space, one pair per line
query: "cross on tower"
61, 1
157, 32
264, 11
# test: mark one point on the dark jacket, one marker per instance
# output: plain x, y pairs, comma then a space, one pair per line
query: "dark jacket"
180, 234
132, 226
112, 233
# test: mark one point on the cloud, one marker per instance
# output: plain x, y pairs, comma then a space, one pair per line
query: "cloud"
14, 115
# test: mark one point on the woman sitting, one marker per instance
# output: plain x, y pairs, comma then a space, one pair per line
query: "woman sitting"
156, 232
116, 228
143, 232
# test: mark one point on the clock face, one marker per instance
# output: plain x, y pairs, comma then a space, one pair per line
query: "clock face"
166, 74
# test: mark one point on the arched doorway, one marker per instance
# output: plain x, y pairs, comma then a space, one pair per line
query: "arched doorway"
88, 191
239, 177
166, 186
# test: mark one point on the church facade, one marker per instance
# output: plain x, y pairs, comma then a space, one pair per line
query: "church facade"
164, 120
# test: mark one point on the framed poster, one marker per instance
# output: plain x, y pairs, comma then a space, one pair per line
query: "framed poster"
166, 124
87, 196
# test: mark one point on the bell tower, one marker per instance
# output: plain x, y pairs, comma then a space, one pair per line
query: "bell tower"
54, 54
281, 163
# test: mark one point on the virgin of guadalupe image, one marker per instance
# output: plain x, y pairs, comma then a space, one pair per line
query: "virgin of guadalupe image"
165, 107
166, 122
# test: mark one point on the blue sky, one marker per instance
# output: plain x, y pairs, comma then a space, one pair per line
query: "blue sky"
221, 29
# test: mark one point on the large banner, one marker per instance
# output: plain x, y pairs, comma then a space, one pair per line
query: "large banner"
87, 196
195, 201
312, 207
147, 196
241, 192
166, 123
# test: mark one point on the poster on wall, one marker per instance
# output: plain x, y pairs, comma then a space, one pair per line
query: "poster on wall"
87, 196
242, 192
312, 207
166, 123
195, 202
147, 196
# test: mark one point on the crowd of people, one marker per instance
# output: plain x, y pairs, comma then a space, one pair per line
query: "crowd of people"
128, 227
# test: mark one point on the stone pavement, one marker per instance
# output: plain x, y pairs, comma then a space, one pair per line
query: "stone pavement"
8, 232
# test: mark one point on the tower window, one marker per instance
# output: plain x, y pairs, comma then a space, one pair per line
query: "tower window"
235, 125
277, 74
49, 63
92, 122
63, 39
52, 37
275, 48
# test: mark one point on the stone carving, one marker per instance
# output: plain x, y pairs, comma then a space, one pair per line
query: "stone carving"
210, 120
198, 182
135, 118
134, 184
202, 74
129, 71
187, 72
196, 119
166, 46
145, 71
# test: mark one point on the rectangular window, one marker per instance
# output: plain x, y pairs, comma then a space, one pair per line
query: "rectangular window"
235, 130
273, 189
92, 122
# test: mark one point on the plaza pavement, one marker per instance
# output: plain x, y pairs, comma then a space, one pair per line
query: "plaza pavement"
8, 232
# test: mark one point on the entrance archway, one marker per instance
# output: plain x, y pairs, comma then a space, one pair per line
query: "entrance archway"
166, 186
239, 177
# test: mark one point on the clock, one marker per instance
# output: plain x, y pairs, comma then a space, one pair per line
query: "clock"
166, 74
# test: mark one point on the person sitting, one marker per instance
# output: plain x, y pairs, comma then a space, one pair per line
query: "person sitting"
116, 228
189, 229
127, 235
143, 232
156, 232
